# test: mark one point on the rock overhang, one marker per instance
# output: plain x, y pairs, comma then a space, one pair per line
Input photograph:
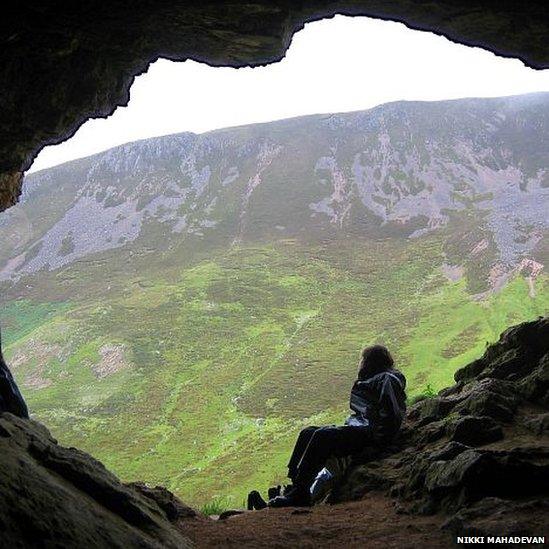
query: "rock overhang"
63, 63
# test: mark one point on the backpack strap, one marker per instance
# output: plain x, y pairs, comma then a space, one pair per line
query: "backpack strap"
394, 376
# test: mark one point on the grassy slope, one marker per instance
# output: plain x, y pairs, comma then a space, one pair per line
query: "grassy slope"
226, 360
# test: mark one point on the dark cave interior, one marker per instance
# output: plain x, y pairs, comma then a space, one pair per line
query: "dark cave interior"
63, 63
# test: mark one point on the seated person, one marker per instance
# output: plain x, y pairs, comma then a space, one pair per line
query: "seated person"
378, 404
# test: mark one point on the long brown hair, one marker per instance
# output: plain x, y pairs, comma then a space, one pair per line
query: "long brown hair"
374, 360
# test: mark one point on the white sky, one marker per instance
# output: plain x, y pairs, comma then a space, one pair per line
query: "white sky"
342, 64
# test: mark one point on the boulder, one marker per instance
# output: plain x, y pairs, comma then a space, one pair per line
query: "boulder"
458, 473
173, 508
535, 386
474, 474
495, 398
474, 430
51, 496
538, 424
486, 397
431, 409
448, 452
497, 517
513, 356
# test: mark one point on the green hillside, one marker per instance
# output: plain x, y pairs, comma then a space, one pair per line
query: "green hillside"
201, 381
190, 302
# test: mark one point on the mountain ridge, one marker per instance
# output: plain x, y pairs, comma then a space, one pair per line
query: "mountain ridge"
388, 167
175, 304
296, 118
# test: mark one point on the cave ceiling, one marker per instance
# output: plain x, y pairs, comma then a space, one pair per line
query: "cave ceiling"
64, 62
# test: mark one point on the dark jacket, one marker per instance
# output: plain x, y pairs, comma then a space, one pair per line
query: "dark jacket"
379, 403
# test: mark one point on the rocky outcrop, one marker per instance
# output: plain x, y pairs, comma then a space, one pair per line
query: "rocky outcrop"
62, 63
478, 452
51, 496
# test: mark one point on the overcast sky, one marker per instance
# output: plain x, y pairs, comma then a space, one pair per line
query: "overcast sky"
342, 64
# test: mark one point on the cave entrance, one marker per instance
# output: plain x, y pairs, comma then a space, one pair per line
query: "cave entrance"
172, 307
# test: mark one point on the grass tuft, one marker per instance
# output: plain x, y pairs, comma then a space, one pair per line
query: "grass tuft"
215, 506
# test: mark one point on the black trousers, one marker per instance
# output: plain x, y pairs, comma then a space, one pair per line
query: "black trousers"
315, 445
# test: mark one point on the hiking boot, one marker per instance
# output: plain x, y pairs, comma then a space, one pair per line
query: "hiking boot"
255, 501
286, 489
298, 497
274, 491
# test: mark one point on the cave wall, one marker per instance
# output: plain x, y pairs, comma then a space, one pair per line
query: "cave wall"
65, 62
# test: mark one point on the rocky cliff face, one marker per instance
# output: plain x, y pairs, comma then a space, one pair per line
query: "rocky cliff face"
402, 169
479, 451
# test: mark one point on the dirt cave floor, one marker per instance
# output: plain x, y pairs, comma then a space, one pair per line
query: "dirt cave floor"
372, 522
